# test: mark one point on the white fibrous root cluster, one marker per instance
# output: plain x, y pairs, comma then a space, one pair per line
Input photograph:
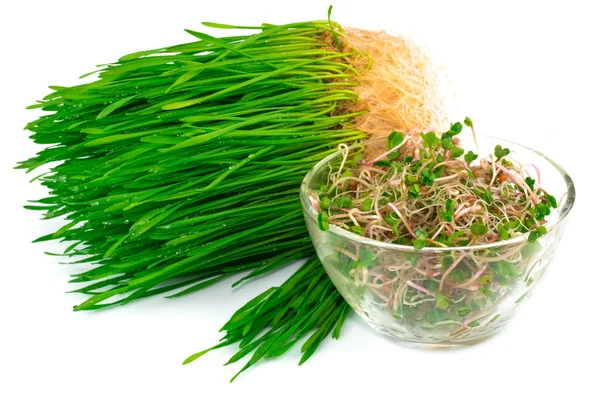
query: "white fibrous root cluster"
401, 85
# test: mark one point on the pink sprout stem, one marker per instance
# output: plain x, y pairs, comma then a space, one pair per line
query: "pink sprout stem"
438, 231
473, 278
315, 204
450, 268
450, 177
466, 210
393, 206
382, 156
421, 288
539, 175
517, 180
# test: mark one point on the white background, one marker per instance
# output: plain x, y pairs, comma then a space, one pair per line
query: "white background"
527, 71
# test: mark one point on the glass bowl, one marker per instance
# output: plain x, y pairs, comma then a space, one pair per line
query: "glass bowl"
395, 288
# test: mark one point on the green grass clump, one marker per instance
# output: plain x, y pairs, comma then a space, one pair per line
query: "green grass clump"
178, 167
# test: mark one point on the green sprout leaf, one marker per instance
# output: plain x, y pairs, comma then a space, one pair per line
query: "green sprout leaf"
447, 143
394, 139
449, 211
500, 152
487, 196
420, 242
414, 191
450, 206
356, 159
541, 211
457, 152
447, 139
357, 230
470, 156
485, 291
393, 221
445, 216
531, 249
463, 311
345, 202
533, 236
441, 301
530, 182
427, 177
432, 316
551, 200
457, 275
430, 139
478, 229
456, 235
447, 261
457, 127
502, 232
323, 221
365, 258
468, 122
382, 163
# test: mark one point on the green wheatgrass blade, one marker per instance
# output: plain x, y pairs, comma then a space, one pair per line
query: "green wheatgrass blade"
307, 303
180, 166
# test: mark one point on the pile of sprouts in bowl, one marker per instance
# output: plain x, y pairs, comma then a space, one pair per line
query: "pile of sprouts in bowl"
436, 239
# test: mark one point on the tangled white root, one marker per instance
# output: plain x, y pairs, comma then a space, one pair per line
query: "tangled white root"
400, 85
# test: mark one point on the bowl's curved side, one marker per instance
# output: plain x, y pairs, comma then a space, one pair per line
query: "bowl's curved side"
389, 287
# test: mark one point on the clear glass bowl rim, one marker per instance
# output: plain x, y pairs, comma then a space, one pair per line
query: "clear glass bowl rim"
311, 213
